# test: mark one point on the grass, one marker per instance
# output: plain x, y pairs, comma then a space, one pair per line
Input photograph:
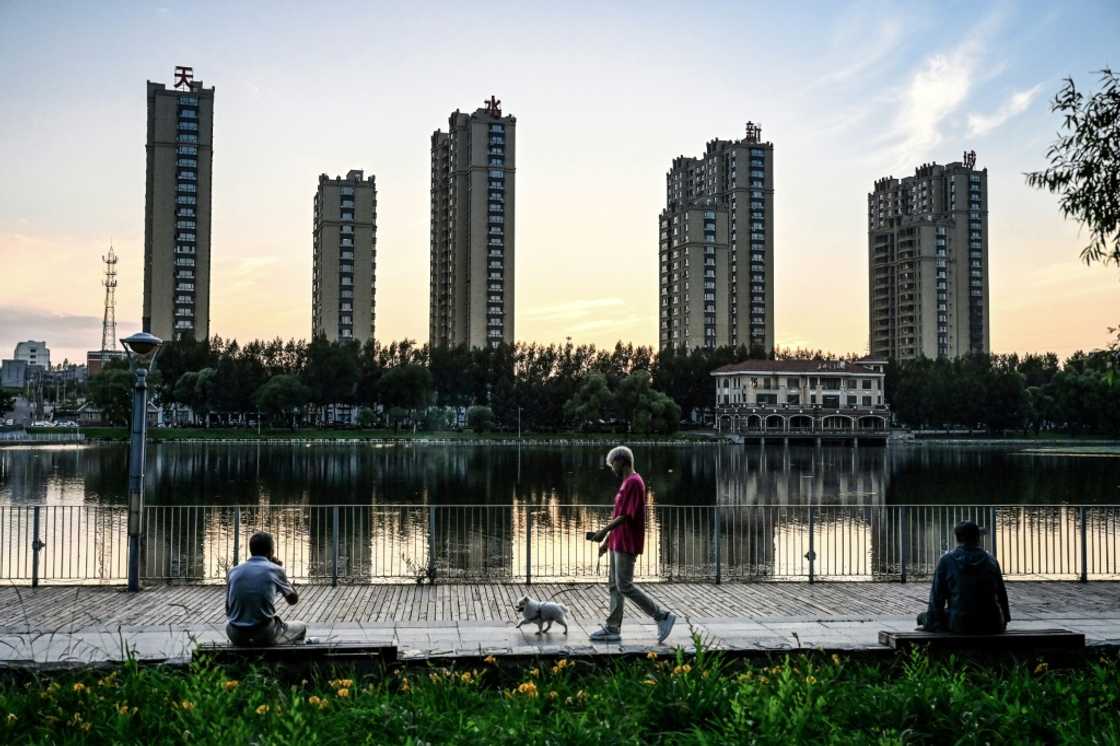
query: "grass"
676, 699
171, 434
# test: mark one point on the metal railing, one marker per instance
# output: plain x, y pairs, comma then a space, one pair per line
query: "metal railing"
503, 543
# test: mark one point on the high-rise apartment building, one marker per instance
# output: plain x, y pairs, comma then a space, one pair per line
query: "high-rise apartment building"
717, 247
343, 287
928, 262
472, 247
177, 208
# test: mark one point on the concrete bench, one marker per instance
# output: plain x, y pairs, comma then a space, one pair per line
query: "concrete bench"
1011, 640
301, 655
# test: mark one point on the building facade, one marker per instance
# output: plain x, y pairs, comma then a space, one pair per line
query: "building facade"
177, 209
344, 244
472, 229
928, 262
802, 397
33, 353
716, 248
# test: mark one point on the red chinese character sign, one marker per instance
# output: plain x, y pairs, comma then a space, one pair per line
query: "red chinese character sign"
183, 76
494, 106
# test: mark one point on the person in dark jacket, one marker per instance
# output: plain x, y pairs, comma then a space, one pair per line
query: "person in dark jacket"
969, 581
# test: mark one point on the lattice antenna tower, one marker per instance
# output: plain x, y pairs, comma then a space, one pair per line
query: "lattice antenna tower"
109, 320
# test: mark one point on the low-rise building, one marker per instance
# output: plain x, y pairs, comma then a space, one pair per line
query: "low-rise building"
802, 397
34, 353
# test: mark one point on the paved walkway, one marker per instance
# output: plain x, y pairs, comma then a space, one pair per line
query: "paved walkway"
85, 623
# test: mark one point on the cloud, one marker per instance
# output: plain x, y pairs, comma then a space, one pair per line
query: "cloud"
886, 39
67, 335
577, 309
935, 91
1017, 103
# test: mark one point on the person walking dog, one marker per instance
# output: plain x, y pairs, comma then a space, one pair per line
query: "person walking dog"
624, 537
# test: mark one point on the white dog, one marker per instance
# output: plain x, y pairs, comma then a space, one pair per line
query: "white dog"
542, 613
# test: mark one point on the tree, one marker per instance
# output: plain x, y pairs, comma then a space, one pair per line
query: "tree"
1085, 164
282, 396
7, 400
480, 419
407, 386
592, 402
111, 392
644, 408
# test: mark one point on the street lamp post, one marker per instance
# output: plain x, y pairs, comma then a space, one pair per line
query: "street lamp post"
142, 349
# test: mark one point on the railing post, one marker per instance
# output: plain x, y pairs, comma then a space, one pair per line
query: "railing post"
36, 547
236, 535
716, 543
812, 554
528, 546
334, 545
1083, 516
431, 543
903, 539
994, 532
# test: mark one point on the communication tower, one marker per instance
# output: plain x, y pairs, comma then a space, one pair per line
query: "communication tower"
109, 320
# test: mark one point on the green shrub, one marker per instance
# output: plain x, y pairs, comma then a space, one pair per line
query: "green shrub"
677, 698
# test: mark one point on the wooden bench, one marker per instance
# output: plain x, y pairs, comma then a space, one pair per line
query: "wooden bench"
1011, 640
301, 655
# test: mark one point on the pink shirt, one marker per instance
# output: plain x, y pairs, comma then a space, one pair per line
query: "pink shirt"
630, 536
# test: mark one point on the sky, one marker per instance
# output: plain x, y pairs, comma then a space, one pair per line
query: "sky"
605, 95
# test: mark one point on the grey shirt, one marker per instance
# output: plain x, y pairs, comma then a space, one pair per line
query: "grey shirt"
251, 592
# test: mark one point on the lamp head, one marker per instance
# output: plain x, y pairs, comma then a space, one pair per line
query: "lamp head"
142, 346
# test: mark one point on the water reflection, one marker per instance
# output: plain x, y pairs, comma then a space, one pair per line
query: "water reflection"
360, 512
243, 474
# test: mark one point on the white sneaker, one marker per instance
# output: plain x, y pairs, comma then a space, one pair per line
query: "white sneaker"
664, 627
605, 634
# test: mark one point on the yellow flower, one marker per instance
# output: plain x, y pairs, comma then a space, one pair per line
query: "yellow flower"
534, 672
489, 660
553, 695
705, 674
187, 705
763, 680
109, 680
651, 655
231, 685
342, 683
810, 679
123, 709
836, 659
466, 677
405, 687
568, 700
12, 717
528, 688
1042, 667
581, 695
86, 727
684, 669
263, 709
344, 693
313, 700
649, 682
79, 687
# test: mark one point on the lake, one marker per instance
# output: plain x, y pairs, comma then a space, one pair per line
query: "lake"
365, 512
246, 474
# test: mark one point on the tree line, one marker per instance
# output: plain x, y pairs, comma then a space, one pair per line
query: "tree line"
550, 388
1001, 393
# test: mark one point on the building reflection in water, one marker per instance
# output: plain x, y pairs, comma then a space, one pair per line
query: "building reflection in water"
503, 512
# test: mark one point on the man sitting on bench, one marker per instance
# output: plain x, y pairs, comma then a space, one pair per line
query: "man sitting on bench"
250, 594
969, 580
